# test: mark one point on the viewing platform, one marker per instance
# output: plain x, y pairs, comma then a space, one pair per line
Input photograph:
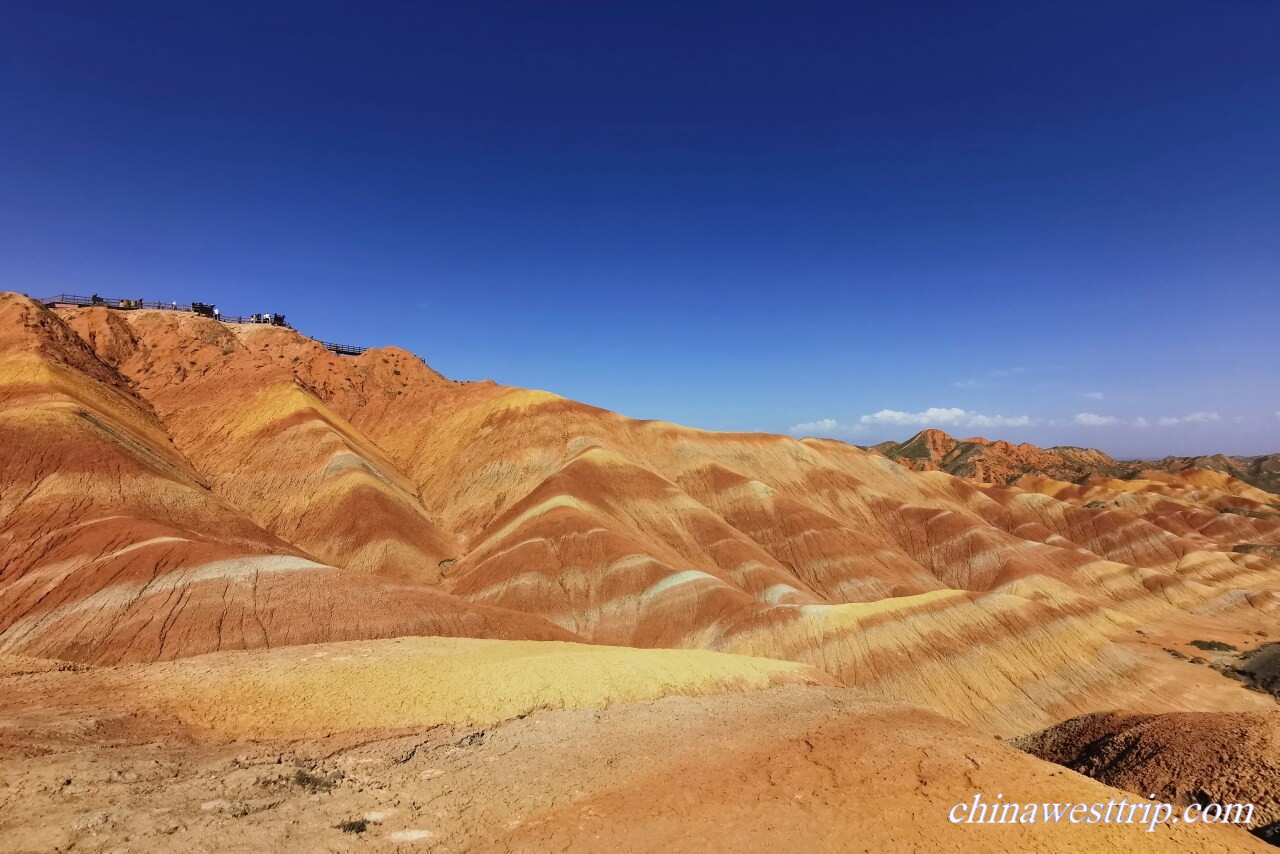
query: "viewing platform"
204, 309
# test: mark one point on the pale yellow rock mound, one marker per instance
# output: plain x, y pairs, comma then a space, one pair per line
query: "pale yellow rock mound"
307, 691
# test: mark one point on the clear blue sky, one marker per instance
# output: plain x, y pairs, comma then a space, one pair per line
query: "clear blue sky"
824, 218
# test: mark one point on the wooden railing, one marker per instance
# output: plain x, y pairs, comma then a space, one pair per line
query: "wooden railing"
343, 349
124, 304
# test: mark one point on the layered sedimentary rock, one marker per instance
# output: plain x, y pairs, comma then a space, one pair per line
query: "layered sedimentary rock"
181, 486
997, 461
1004, 462
1262, 471
116, 547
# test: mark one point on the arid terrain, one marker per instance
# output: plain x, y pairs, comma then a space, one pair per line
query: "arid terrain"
1181, 757
255, 594
1004, 462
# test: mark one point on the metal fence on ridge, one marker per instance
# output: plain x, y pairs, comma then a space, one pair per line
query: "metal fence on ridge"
134, 304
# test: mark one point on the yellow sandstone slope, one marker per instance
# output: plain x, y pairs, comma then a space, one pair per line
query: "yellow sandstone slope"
311, 691
432, 741
365, 497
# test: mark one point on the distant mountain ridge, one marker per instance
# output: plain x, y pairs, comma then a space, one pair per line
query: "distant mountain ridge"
1001, 462
998, 461
1262, 471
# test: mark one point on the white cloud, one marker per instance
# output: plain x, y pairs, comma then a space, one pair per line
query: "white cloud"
1092, 395
1201, 417
999, 421
820, 424
932, 415
1089, 419
1193, 418
985, 379
825, 427
943, 417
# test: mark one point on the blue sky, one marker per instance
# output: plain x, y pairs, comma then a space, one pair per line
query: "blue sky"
1055, 222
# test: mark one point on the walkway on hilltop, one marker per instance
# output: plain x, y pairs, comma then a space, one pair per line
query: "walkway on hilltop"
193, 308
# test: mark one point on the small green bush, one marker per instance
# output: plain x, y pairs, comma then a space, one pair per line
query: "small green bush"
1213, 646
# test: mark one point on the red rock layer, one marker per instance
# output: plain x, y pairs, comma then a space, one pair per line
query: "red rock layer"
367, 496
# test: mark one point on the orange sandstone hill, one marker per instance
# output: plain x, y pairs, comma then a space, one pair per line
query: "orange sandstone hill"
1262, 471
1004, 462
997, 461
175, 486
212, 532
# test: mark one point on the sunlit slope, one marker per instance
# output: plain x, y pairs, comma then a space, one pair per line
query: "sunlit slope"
1206, 508
114, 548
243, 404
994, 604
511, 745
595, 504
316, 690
